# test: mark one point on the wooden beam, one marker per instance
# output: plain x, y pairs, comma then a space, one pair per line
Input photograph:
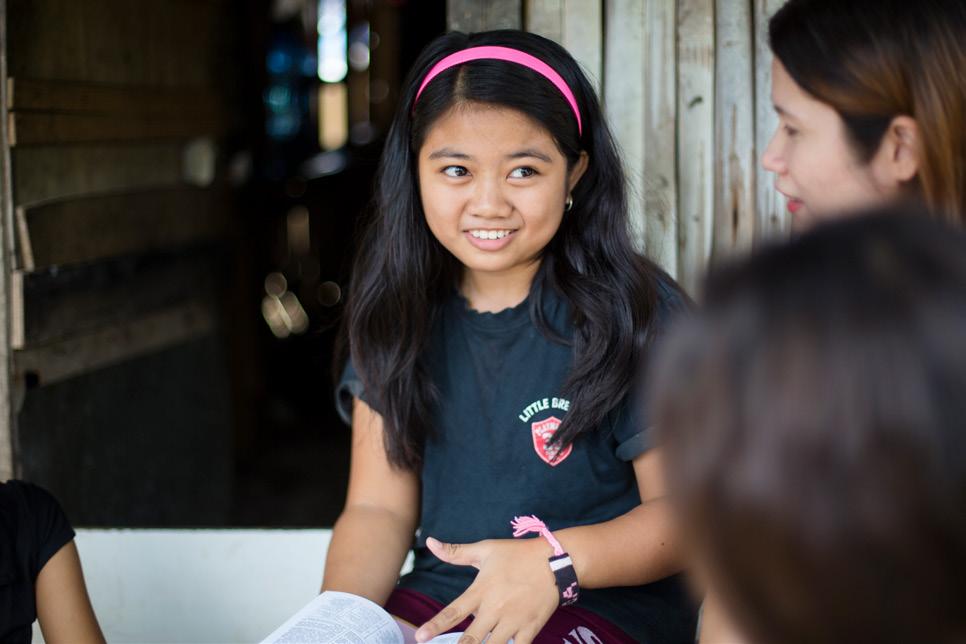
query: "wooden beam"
583, 33
481, 15
61, 302
734, 129
773, 219
465, 15
171, 43
109, 345
695, 127
8, 391
624, 84
95, 228
660, 141
503, 14
33, 128
545, 17
98, 98
54, 172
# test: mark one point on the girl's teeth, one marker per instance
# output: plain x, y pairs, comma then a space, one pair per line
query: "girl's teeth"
489, 234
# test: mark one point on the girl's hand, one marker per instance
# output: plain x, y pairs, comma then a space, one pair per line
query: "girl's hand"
513, 595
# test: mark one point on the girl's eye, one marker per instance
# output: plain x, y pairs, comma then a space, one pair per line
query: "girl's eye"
522, 173
790, 131
455, 171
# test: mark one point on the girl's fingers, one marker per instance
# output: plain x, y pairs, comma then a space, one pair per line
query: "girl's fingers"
501, 635
458, 554
525, 635
445, 619
482, 624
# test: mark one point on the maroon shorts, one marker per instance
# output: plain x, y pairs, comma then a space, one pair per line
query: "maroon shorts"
567, 625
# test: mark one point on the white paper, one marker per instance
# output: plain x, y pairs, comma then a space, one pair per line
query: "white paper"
338, 618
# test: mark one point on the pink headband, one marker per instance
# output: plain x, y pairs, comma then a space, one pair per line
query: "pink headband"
510, 55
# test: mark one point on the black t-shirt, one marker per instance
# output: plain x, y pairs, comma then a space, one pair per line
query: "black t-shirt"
33, 528
500, 382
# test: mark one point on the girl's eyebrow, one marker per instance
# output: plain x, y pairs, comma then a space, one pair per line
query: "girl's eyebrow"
536, 154
448, 153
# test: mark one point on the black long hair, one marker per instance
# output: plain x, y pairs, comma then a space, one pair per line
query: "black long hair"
402, 274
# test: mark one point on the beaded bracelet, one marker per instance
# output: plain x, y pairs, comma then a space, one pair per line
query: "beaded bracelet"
560, 563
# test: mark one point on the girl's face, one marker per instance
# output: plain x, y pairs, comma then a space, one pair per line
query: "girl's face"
814, 162
493, 186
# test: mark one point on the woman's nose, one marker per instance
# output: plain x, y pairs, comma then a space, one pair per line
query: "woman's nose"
772, 158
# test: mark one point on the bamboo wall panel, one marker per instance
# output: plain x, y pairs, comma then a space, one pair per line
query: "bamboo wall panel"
583, 32
695, 139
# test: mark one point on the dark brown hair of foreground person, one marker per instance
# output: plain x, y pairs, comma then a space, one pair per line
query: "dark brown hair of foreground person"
813, 417
874, 60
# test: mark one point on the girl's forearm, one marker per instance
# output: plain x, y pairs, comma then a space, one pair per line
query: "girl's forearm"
635, 548
368, 547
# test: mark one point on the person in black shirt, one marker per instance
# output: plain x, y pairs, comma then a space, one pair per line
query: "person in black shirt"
40, 572
496, 317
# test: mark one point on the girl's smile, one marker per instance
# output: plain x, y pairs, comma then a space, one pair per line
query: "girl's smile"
493, 185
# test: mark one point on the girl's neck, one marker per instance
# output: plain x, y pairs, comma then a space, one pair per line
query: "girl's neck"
489, 292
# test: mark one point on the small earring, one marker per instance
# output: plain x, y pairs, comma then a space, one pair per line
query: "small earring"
569, 203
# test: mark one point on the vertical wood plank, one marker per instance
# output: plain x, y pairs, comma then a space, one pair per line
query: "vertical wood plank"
465, 15
503, 14
660, 108
545, 17
7, 409
695, 139
583, 36
773, 221
734, 129
624, 98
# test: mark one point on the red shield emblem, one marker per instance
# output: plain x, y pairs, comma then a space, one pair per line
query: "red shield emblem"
542, 431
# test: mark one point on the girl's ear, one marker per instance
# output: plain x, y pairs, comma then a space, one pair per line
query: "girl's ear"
898, 158
577, 171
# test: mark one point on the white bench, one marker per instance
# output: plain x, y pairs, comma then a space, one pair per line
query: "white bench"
198, 585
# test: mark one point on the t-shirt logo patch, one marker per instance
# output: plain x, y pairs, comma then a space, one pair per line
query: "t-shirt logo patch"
542, 432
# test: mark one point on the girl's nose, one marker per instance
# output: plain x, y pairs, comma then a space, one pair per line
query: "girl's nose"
489, 199
772, 158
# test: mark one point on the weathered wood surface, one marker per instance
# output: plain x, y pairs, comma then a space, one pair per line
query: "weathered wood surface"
660, 142
170, 43
773, 219
583, 33
695, 129
60, 360
624, 85
44, 173
482, 15
62, 302
98, 98
735, 163
95, 228
8, 466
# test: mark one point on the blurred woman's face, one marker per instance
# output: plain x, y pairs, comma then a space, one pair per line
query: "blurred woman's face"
815, 165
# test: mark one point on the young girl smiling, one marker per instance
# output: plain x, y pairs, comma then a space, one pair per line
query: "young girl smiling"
496, 317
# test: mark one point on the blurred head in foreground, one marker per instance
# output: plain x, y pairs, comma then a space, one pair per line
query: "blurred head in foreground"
814, 417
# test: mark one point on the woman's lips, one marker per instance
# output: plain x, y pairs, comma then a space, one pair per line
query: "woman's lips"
794, 205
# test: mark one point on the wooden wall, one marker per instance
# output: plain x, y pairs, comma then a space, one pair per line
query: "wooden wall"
685, 84
115, 213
